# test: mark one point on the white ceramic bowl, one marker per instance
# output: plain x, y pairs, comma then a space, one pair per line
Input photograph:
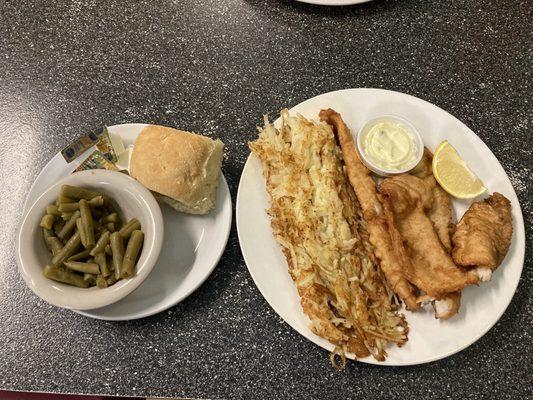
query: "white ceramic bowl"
376, 168
133, 200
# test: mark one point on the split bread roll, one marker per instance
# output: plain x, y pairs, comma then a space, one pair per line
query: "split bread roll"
181, 168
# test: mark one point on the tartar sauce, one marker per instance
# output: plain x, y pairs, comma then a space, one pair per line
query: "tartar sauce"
389, 144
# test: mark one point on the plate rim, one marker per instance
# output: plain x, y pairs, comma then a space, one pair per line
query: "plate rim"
368, 360
224, 242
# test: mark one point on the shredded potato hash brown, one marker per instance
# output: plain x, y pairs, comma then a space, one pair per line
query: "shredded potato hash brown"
317, 220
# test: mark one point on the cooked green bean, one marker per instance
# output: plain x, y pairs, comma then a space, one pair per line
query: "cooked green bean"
132, 251
110, 218
68, 207
108, 250
55, 245
58, 225
127, 229
90, 278
47, 222
68, 249
110, 226
53, 209
101, 260
101, 243
47, 233
117, 247
77, 192
112, 279
97, 201
62, 275
81, 231
66, 215
90, 268
69, 226
79, 256
65, 199
101, 282
87, 222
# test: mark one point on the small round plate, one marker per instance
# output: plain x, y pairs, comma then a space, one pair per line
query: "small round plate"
191, 249
429, 339
334, 2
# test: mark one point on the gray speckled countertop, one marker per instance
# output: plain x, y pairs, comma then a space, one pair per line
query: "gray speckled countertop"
215, 67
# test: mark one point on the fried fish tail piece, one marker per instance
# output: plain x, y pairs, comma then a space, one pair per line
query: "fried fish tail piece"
483, 235
432, 269
316, 218
388, 246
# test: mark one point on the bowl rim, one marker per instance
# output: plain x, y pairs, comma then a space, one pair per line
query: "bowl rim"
121, 289
384, 171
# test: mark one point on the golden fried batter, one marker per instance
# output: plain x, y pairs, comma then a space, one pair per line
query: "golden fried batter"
483, 235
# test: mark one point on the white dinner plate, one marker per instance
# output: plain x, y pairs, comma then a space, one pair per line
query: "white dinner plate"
429, 339
192, 245
334, 2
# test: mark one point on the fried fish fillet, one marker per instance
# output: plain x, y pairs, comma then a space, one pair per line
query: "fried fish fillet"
317, 220
432, 268
483, 236
441, 211
387, 243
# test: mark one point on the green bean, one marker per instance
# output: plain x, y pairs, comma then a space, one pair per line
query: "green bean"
87, 222
53, 209
76, 192
70, 225
68, 249
66, 215
47, 233
62, 275
47, 222
111, 280
90, 268
101, 243
65, 199
101, 260
127, 229
110, 226
58, 225
132, 251
110, 218
68, 207
81, 231
117, 247
82, 255
89, 278
97, 201
55, 245
101, 282
108, 250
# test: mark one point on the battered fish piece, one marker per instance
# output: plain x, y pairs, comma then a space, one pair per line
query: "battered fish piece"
432, 268
441, 211
387, 243
483, 236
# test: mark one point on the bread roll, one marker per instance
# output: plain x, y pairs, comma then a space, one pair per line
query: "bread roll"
182, 168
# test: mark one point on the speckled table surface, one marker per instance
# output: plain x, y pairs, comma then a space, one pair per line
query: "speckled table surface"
215, 67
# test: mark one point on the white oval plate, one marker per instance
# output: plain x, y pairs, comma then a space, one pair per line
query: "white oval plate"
191, 249
429, 339
334, 2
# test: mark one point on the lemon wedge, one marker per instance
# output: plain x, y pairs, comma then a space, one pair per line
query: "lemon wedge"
453, 174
